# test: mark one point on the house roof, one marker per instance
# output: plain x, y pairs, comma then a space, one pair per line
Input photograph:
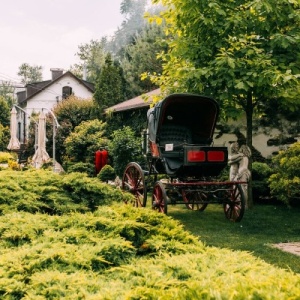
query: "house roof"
37, 87
138, 102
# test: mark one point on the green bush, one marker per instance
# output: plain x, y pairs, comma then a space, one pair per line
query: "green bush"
107, 173
124, 147
122, 252
5, 157
45, 191
285, 182
82, 167
260, 176
85, 140
4, 137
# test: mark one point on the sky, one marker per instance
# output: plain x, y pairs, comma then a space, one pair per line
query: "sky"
47, 33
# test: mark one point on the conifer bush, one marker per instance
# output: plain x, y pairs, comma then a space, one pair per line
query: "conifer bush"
98, 255
44, 191
107, 173
285, 180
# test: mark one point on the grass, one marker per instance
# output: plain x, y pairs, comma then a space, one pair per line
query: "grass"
260, 227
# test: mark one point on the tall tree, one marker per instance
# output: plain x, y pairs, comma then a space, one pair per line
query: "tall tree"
110, 85
141, 57
30, 73
92, 56
4, 112
243, 53
7, 92
133, 12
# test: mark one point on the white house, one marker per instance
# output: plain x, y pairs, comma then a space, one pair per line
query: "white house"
46, 94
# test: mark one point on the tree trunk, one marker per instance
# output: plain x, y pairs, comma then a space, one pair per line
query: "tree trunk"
249, 117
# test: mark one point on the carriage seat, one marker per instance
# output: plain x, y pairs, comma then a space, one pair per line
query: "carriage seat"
177, 136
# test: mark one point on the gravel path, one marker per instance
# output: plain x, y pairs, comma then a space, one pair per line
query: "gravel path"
293, 248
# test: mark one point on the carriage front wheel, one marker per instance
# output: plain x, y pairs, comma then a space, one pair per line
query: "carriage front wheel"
133, 181
234, 206
159, 198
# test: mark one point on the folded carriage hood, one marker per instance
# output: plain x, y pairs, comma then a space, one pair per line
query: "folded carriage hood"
198, 113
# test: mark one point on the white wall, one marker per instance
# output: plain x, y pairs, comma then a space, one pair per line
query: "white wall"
49, 97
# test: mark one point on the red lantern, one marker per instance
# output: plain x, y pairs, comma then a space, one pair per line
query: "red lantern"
98, 161
104, 158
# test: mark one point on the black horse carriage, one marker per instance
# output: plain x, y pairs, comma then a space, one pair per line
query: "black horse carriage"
179, 144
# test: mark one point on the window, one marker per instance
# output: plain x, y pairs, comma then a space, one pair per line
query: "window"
66, 92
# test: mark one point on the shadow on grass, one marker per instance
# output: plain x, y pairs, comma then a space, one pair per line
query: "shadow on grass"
260, 227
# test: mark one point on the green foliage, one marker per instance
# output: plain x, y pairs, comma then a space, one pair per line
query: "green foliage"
5, 157
74, 110
85, 140
30, 74
92, 56
44, 191
136, 119
121, 252
4, 112
285, 182
107, 173
124, 147
260, 175
109, 89
81, 167
235, 52
7, 92
141, 57
4, 137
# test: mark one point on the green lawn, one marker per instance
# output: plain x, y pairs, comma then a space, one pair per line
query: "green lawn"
261, 226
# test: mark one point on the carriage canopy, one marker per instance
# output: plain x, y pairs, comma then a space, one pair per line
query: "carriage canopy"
196, 113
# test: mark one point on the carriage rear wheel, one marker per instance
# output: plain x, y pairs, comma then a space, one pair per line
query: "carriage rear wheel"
196, 201
159, 198
133, 181
234, 207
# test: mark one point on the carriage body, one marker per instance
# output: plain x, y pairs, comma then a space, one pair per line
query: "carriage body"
180, 134
178, 143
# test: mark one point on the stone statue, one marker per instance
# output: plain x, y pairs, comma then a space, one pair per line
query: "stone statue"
238, 160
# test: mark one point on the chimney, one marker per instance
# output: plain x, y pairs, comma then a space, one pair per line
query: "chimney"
56, 73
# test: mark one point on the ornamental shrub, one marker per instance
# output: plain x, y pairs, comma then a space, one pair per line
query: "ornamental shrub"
124, 147
48, 192
5, 157
82, 167
85, 140
107, 173
285, 182
260, 175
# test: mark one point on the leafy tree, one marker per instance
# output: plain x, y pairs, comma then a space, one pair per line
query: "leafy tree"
285, 180
92, 56
4, 112
4, 124
30, 74
110, 85
124, 147
7, 92
4, 137
244, 54
141, 57
133, 11
135, 119
85, 140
